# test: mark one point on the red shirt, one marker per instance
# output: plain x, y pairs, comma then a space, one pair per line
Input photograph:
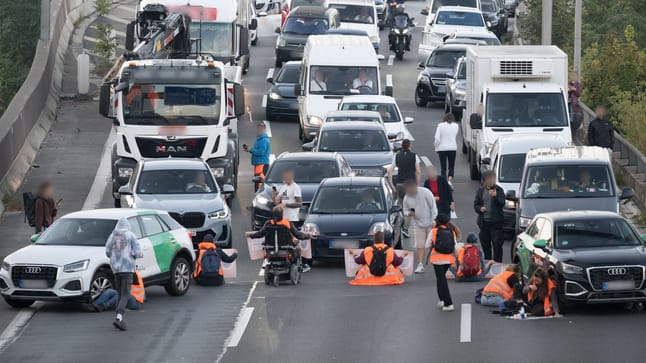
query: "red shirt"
434, 189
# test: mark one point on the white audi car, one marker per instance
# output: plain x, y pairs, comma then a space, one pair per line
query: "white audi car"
68, 261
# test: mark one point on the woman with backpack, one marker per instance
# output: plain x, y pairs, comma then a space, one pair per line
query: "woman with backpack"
208, 265
444, 235
45, 208
470, 265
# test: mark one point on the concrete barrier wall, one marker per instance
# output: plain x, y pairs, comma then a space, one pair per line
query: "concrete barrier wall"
31, 112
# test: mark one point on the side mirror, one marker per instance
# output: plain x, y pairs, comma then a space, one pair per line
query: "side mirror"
308, 146
408, 120
540, 243
381, 57
34, 237
228, 189
270, 79
449, 74
389, 91
130, 36
261, 14
122, 87
125, 190
243, 40
277, 30
486, 161
424, 11
254, 24
511, 195
260, 5
488, 24
397, 145
395, 209
238, 94
420, 66
104, 100
297, 89
643, 237
256, 180
475, 121
627, 193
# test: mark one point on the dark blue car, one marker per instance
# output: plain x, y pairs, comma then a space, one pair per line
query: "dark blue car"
281, 99
347, 211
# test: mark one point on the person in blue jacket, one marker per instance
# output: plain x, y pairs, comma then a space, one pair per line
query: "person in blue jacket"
259, 152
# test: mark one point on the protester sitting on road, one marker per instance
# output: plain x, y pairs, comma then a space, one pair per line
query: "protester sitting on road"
470, 265
540, 295
442, 257
501, 287
208, 265
379, 264
108, 299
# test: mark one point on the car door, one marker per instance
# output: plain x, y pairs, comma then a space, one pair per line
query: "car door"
145, 246
164, 245
540, 257
525, 245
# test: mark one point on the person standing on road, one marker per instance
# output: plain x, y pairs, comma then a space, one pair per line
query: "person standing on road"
574, 89
122, 248
442, 192
420, 206
45, 208
259, 152
488, 204
601, 131
407, 169
446, 145
288, 196
442, 257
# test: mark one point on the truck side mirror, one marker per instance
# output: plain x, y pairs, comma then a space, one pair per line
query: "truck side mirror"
130, 36
238, 94
389, 91
244, 40
627, 193
511, 195
125, 190
34, 237
486, 161
475, 121
277, 30
104, 100
254, 24
540, 243
297, 89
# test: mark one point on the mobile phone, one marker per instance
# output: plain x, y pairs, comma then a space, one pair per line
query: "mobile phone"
244, 146
412, 210
274, 189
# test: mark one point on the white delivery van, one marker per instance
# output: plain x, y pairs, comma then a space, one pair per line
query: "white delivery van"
359, 15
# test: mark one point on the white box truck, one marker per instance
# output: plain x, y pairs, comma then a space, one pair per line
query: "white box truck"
513, 90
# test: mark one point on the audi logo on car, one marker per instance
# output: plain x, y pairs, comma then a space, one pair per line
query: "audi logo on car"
616, 271
32, 269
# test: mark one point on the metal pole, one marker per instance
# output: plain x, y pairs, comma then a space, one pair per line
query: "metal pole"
577, 36
546, 29
44, 19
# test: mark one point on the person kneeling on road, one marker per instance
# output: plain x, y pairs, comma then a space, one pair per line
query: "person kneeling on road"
501, 287
108, 299
379, 264
470, 265
540, 295
208, 266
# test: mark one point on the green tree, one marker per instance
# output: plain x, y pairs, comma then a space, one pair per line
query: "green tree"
562, 22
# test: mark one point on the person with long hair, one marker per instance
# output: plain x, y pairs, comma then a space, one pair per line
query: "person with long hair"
541, 295
446, 145
442, 257
45, 208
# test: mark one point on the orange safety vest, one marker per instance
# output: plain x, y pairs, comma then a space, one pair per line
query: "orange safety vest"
283, 222
393, 274
437, 258
547, 302
137, 289
498, 285
461, 261
203, 246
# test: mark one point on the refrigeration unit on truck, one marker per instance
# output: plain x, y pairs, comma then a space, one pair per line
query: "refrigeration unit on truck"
519, 90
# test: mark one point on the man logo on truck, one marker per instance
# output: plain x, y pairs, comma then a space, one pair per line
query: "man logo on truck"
171, 149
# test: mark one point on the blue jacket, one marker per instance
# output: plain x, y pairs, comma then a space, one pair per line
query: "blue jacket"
260, 150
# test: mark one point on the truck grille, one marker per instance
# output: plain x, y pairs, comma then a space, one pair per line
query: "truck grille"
516, 68
161, 147
599, 275
46, 273
189, 220
368, 171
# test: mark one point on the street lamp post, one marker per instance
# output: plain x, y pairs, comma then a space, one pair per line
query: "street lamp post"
578, 5
546, 28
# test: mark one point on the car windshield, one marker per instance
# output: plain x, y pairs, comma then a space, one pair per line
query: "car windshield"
305, 171
348, 200
444, 58
78, 232
466, 3
568, 181
459, 18
489, 41
305, 26
388, 111
355, 13
511, 168
488, 7
216, 38
297, 3
176, 104
401, 21
352, 118
176, 182
526, 110
353, 140
289, 74
590, 233
333, 80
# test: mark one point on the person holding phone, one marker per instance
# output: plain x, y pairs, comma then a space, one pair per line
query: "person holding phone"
259, 153
419, 205
488, 204
45, 208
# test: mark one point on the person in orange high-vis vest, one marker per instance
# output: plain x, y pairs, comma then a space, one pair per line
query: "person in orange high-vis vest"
108, 299
443, 261
209, 244
541, 295
501, 287
393, 274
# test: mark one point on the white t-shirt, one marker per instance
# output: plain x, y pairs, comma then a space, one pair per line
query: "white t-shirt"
446, 136
288, 195
356, 83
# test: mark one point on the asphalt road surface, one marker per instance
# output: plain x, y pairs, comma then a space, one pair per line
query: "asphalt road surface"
324, 319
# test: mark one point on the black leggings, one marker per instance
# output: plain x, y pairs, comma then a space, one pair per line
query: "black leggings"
442, 284
447, 157
123, 281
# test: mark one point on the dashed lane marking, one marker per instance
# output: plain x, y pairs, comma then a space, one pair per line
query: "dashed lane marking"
16, 327
241, 325
465, 323
426, 161
264, 101
391, 60
103, 175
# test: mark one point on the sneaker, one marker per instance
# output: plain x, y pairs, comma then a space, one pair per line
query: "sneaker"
448, 308
306, 268
405, 233
440, 304
120, 324
451, 185
419, 269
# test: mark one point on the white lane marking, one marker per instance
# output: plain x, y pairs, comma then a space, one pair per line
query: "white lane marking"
272, 157
262, 272
391, 59
239, 320
103, 175
389, 80
127, 8
15, 327
465, 323
426, 161
407, 134
268, 128
270, 73
264, 101
241, 326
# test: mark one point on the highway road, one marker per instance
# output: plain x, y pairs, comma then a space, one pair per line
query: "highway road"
323, 319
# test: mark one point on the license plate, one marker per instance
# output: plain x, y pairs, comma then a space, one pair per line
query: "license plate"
441, 89
343, 244
618, 285
33, 284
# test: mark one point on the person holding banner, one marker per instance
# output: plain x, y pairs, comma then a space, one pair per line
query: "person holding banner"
208, 265
279, 227
379, 264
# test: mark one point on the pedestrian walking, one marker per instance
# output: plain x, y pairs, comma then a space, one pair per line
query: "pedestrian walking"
442, 191
122, 248
407, 165
601, 131
259, 152
45, 208
442, 257
488, 204
574, 92
419, 205
446, 145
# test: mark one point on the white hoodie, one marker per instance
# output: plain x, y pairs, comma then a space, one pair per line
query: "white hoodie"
446, 136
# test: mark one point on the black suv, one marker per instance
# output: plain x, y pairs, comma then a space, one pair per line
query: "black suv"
431, 82
593, 256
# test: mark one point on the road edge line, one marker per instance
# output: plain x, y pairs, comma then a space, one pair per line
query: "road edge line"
15, 328
241, 316
103, 175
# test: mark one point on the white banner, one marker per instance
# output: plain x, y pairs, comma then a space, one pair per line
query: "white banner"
306, 248
352, 267
230, 269
255, 248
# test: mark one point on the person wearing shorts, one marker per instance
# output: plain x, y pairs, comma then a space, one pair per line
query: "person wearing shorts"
419, 206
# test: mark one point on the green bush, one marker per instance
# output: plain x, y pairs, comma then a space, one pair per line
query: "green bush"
103, 6
104, 47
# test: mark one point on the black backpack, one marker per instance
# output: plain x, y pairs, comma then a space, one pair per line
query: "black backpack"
378, 265
444, 240
210, 264
29, 202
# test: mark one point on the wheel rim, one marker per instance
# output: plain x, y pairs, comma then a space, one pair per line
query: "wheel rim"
181, 276
99, 285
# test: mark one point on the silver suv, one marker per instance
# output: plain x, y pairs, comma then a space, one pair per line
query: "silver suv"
456, 89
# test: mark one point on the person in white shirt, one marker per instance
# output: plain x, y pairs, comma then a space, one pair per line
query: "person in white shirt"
446, 145
318, 82
362, 80
289, 197
419, 205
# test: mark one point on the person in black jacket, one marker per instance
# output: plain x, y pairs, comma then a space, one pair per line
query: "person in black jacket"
488, 204
601, 132
441, 190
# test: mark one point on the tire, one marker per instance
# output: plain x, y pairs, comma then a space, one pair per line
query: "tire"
474, 172
565, 307
268, 278
278, 63
294, 274
301, 133
101, 281
268, 115
18, 304
419, 101
180, 277
255, 41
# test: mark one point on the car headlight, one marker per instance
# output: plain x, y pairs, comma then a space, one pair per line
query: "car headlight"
312, 229
374, 39
570, 269
314, 121
5, 266
261, 200
76, 266
396, 31
523, 222
219, 214
218, 172
280, 42
405, 31
378, 227
423, 79
274, 96
510, 204
124, 172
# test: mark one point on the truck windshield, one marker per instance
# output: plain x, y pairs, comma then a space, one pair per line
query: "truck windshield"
568, 181
305, 26
525, 110
360, 14
176, 104
217, 38
338, 80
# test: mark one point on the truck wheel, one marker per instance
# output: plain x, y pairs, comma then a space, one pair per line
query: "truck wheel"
18, 304
419, 101
474, 172
300, 133
180, 277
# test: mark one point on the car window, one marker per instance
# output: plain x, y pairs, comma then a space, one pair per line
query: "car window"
568, 181
511, 168
388, 111
176, 182
151, 225
78, 232
459, 18
343, 80
164, 226
590, 233
344, 199
305, 26
445, 59
289, 74
135, 227
305, 171
360, 14
353, 140
352, 118
169, 221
